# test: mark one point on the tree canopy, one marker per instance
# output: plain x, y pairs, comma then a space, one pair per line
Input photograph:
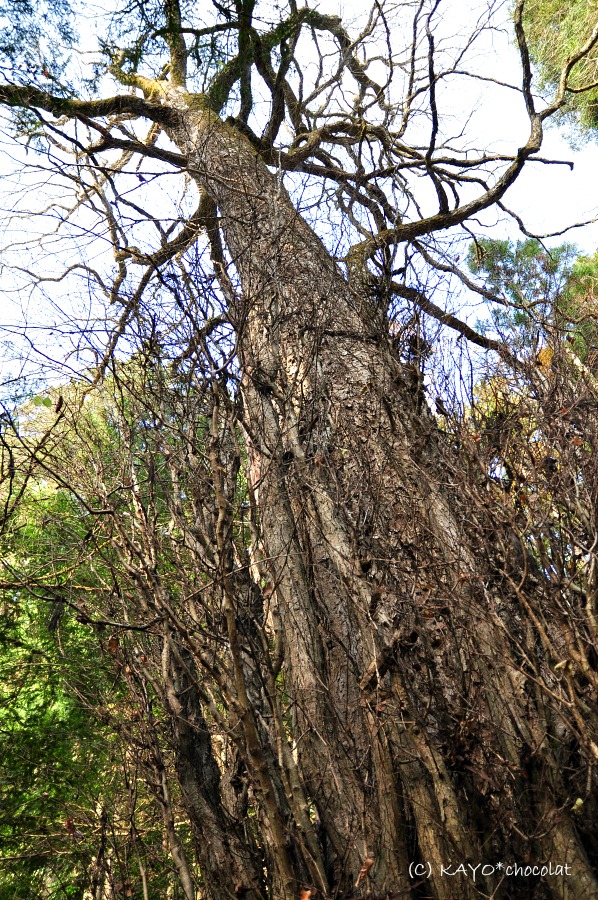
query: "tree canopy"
558, 33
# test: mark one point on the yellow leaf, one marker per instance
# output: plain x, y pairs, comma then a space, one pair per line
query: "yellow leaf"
544, 358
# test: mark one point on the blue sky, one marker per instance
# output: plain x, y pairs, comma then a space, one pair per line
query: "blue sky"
547, 198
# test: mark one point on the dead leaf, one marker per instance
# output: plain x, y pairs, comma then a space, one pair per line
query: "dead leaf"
367, 865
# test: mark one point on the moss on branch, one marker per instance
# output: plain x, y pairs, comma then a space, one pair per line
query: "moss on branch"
26, 97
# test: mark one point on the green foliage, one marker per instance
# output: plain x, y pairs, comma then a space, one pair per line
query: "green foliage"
578, 306
54, 759
73, 807
556, 31
550, 296
42, 401
34, 40
47, 741
530, 278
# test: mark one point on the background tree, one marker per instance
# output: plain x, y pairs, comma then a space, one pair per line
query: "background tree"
529, 282
81, 813
365, 653
556, 33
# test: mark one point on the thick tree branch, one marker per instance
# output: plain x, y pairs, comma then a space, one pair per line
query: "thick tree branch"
176, 43
109, 142
26, 97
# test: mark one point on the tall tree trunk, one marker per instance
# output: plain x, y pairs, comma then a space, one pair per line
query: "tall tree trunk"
393, 645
